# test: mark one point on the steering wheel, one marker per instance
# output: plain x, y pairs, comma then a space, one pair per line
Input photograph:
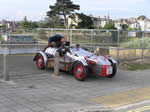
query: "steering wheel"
62, 50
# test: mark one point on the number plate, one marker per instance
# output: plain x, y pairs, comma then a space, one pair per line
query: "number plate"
109, 70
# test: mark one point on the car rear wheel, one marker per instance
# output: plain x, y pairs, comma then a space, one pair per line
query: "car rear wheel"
80, 71
114, 71
40, 62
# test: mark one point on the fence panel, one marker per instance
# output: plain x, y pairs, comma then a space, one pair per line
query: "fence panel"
146, 44
1, 64
131, 39
120, 44
130, 45
19, 41
81, 36
105, 38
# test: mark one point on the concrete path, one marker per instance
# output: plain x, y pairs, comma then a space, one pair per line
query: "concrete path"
34, 90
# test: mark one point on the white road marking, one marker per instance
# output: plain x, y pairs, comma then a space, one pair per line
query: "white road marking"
131, 105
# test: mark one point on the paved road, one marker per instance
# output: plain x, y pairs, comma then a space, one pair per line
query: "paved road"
39, 91
21, 64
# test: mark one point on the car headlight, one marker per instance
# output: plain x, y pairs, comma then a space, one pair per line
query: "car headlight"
89, 61
92, 62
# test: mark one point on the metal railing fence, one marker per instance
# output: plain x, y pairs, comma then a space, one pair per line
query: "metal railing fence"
120, 44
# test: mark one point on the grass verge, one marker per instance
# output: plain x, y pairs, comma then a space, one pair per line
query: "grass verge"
136, 65
30, 54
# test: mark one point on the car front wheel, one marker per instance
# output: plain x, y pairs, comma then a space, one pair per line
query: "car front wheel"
40, 62
80, 71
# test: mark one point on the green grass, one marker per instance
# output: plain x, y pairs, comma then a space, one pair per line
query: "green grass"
135, 66
124, 39
1, 38
138, 66
25, 54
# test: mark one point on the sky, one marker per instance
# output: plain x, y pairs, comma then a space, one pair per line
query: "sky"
35, 10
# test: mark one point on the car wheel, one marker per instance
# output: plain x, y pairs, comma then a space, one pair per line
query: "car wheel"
80, 71
40, 62
114, 71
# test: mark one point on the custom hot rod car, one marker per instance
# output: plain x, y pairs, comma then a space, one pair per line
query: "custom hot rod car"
78, 61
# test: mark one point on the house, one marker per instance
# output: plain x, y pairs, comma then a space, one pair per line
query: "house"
118, 24
1, 23
144, 23
73, 21
104, 21
101, 22
9, 24
97, 22
133, 23
141, 22
148, 25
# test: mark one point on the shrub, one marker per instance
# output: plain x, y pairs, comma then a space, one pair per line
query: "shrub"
137, 43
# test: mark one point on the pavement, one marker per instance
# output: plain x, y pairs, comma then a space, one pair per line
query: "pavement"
34, 90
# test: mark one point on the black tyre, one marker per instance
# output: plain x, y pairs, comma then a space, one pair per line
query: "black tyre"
114, 71
80, 71
40, 62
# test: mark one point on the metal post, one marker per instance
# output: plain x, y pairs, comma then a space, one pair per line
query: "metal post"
5, 65
67, 31
71, 37
142, 45
51, 32
56, 64
37, 39
91, 37
9, 42
118, 44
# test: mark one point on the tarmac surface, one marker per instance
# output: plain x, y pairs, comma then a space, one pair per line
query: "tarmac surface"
34, 90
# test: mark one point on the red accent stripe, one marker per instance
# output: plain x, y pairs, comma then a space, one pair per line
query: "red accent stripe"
104, 70
64, 58
105, 57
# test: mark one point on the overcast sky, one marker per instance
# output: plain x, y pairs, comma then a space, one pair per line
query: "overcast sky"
36, 9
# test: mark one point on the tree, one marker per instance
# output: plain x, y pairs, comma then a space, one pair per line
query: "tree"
25, 23
109, 25
85, 21
63, 8
3, 26
132, 29
129, 29
34, 25
124, 27
28, 24
53, 22
142, 17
